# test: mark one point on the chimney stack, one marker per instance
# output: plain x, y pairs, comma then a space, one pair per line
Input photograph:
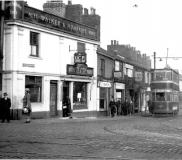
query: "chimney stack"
111, 42
85, 11
70, 2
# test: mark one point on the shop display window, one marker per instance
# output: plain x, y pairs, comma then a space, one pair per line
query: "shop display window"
79, 95
35, 85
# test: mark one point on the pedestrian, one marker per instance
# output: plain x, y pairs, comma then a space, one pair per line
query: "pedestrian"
118, 106
112, 106
130, 106
126, 107
27, 105
5, 108
67, 103
151, 109
122, 106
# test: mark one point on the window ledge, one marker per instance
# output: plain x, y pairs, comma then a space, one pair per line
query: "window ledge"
101, 110
39, 58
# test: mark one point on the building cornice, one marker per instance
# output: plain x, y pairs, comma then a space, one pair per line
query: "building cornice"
50, 31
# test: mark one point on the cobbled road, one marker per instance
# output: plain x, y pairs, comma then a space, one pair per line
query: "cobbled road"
122, 137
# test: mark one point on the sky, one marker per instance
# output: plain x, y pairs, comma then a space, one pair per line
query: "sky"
153, 26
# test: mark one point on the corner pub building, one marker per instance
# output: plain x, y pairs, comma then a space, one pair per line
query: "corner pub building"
53, 57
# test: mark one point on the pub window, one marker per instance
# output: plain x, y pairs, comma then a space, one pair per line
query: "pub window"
80, 47
79, 95
34, 44
35, 85
102, 68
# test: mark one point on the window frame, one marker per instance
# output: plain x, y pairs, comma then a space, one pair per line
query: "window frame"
102, 68
82, 46
34, 41
36, 84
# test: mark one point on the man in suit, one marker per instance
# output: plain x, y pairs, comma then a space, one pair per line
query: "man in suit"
5, 107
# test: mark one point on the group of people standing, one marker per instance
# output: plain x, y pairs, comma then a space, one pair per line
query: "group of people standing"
5, 105
120, 108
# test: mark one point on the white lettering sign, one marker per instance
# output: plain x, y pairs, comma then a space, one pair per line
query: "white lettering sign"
105, 84
120, 86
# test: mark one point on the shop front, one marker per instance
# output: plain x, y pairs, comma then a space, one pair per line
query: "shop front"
120, 91
80, 87
105, 92
43, 59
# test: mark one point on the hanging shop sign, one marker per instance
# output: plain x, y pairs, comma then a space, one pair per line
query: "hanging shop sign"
138, 76
80, 69
17, 10
104, 84
80, 58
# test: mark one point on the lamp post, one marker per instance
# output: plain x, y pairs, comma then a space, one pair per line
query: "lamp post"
163, 57
2, 15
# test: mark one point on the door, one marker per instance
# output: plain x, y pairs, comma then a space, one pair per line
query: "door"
53, 98
65, 94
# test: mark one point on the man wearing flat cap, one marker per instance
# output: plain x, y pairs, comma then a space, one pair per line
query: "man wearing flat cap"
5, 107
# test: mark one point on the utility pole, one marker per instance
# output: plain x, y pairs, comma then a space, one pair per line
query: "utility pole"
154, 60
2, 15
166, 57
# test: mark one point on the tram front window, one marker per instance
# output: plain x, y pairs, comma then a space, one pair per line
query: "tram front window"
160, 96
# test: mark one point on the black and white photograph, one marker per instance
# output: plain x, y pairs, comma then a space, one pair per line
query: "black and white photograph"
91, 79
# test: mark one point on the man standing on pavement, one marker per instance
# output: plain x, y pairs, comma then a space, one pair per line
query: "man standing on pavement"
5, 107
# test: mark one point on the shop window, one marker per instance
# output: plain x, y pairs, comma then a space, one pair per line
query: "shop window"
34, 44
103, 97
102, 68
35, 85
79, 95
80, 47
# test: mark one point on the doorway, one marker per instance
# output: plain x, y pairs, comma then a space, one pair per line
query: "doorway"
53, 98
65, 94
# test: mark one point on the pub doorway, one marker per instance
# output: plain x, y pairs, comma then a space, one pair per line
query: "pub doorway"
65, 94
53, 98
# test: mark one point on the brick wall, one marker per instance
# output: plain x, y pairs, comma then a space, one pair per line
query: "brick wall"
56, 8
93, 21
74, 12
109, 66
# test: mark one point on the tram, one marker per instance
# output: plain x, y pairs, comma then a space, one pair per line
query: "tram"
165, 91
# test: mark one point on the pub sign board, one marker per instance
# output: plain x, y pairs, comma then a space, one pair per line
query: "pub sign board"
80, 58
17, 10
79, 69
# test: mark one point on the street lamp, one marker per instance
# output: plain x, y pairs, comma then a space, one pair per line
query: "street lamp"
160, 58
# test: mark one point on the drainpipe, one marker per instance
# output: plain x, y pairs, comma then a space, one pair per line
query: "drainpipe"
2, 15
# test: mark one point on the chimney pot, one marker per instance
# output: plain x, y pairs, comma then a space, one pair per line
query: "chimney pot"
69, 1
85, 11
111, 42
114, 42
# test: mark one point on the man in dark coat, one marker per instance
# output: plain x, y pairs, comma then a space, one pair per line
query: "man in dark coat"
5, 107
112, 106
67, 103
